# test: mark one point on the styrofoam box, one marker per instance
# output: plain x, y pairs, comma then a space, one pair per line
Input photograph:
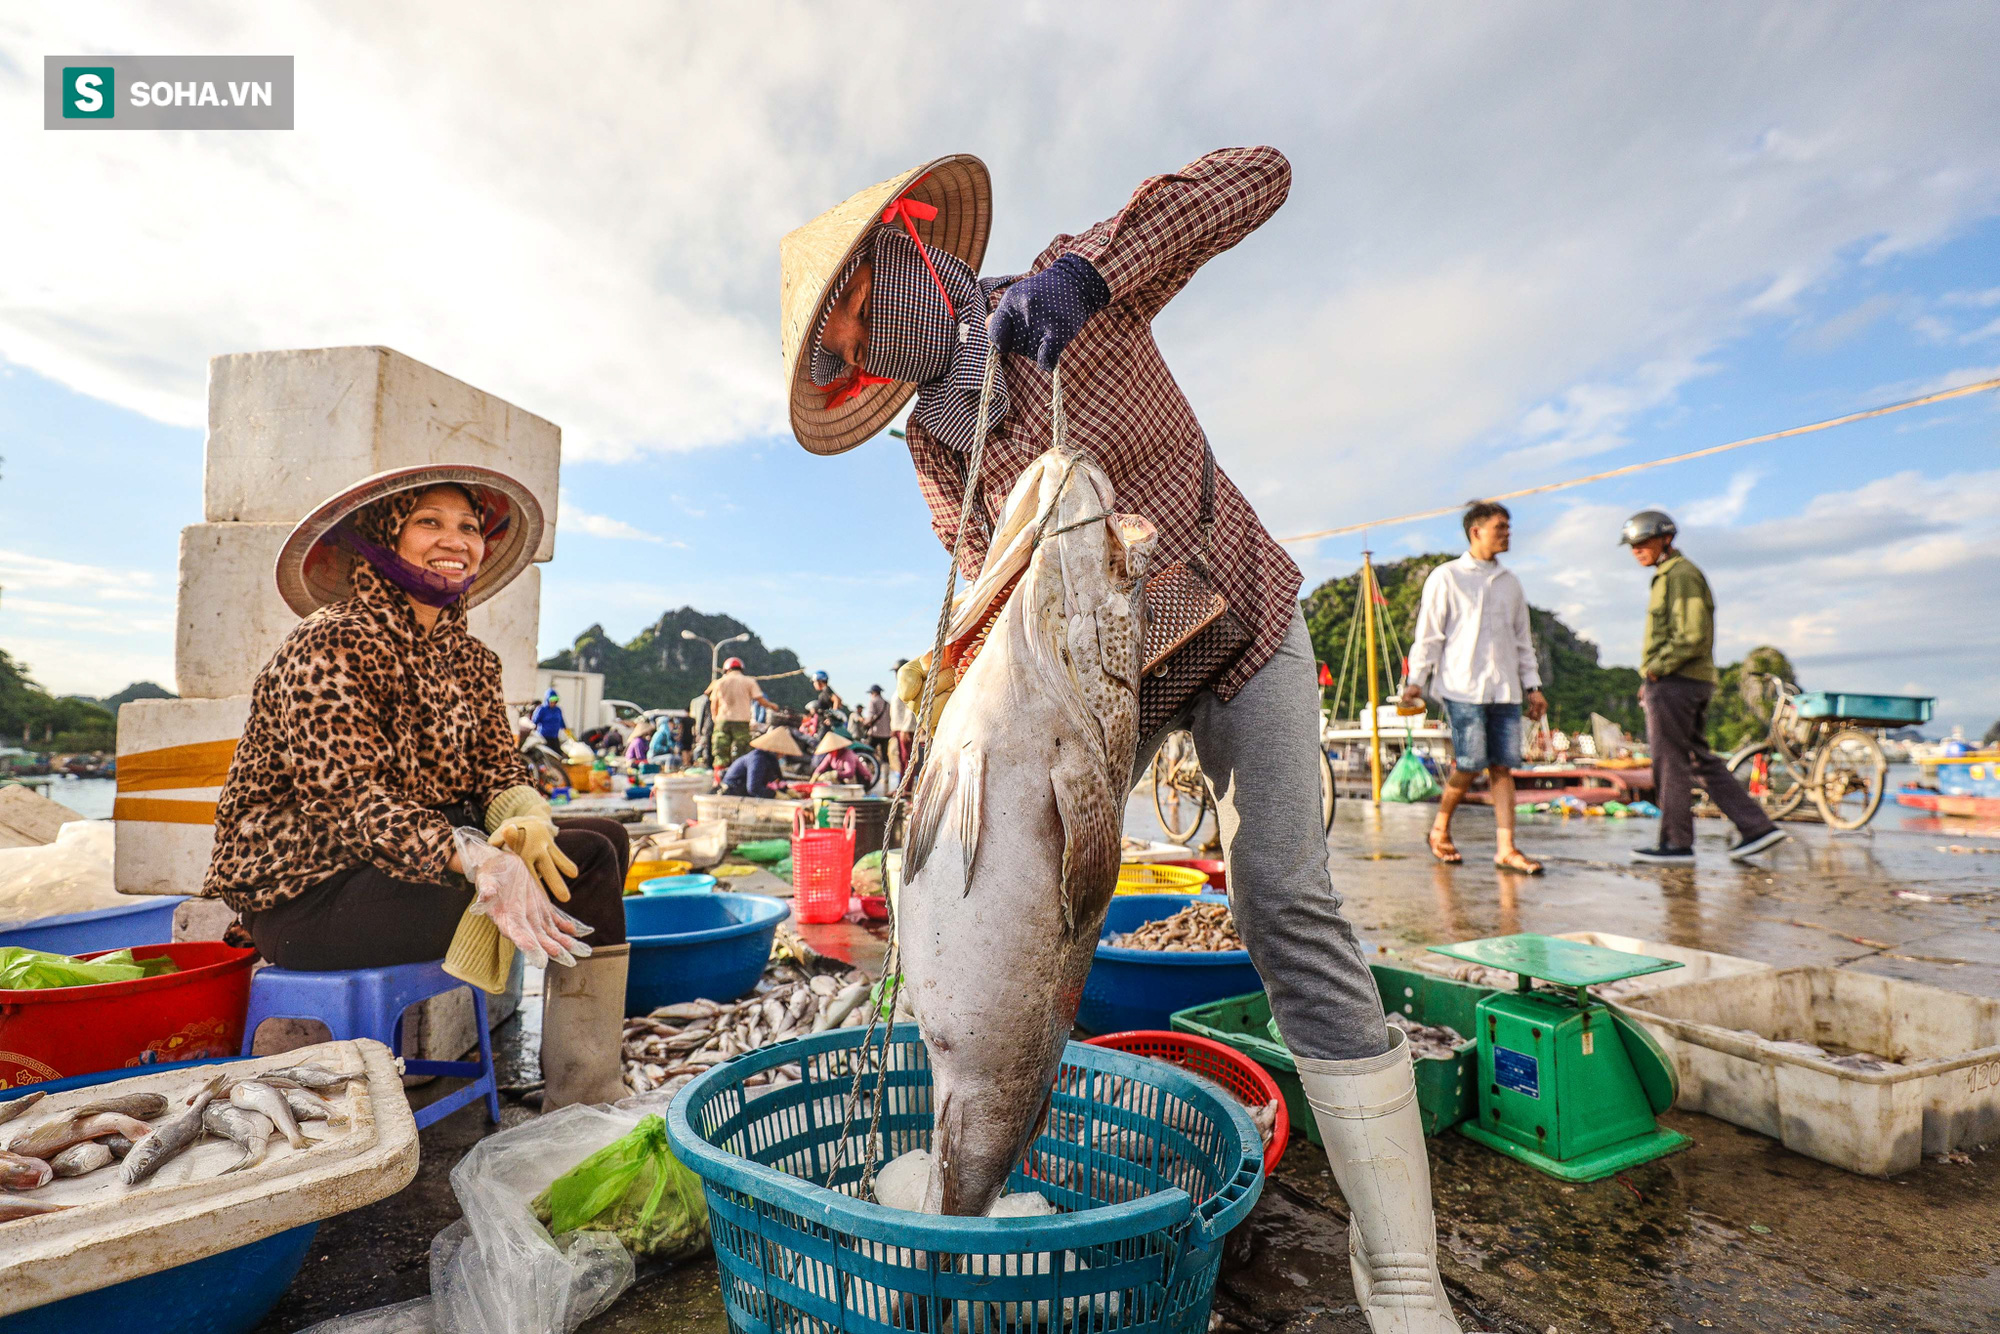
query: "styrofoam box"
288, 429
229, 618
166, 858
1946, 1095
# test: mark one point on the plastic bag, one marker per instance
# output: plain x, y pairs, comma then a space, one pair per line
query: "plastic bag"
415, 1317
33, 970
635, 1189
498, 1270
72, 874
1410, 780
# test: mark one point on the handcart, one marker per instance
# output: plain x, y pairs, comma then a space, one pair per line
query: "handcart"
1823, 744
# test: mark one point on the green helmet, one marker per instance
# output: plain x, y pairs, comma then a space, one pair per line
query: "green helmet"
1644, 525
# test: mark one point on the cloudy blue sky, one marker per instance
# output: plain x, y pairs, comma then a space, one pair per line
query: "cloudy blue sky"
1524, 242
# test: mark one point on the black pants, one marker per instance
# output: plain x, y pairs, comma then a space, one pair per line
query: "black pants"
363, 918
1677, 730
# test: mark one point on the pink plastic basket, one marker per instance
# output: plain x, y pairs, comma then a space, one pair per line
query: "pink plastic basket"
822, 869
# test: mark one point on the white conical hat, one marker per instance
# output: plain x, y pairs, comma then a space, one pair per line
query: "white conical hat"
812, 257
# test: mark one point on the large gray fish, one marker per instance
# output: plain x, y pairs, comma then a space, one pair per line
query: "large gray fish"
1014, 844
248, 1130
172, 1135
309, 1106
139, 1106
15, 1206
315, 1077
20, 1172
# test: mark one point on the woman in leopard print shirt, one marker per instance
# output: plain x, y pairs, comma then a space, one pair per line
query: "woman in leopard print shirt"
378, 728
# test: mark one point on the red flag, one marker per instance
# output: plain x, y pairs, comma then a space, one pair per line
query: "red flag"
1325, 675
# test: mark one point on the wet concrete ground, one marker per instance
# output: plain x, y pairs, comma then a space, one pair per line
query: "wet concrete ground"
1734, 1233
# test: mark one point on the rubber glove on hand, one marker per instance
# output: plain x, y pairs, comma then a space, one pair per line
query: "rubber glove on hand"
508, 893
1039, 315
910, 679
533, 840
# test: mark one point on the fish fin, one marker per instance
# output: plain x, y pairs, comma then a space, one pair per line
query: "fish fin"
1091, 847
935, 788
971, 796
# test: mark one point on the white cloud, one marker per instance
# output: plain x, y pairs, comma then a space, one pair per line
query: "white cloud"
571, 518
1719, 511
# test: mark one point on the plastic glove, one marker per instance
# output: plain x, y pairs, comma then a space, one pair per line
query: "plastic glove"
533, 839
1039, 315
510, 895
910, 679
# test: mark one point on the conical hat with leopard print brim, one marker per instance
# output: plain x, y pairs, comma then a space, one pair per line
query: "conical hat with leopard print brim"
812, 258
314, 570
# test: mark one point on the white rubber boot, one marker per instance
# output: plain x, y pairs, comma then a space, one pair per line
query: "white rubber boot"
1368, 1118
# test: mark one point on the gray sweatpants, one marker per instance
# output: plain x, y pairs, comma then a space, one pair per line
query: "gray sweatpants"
1260, 753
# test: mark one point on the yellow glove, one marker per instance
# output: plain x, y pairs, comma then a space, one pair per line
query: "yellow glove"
533, 840
910, 679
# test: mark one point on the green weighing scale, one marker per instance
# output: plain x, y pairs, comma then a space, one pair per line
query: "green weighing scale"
1566, 1084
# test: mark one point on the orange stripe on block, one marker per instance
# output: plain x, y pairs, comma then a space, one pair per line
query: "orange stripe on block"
200, 764
158, 810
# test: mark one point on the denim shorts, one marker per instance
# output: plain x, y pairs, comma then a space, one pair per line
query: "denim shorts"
1483, 735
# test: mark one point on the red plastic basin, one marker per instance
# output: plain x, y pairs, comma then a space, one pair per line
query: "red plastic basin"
196, 1012
1246, 1081
1216, 871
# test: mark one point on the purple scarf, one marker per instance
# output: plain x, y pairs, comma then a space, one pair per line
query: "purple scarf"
426, 586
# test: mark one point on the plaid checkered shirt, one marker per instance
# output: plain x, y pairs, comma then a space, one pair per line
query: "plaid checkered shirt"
1121, 403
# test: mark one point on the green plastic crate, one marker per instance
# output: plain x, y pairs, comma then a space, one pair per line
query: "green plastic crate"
1447, 1091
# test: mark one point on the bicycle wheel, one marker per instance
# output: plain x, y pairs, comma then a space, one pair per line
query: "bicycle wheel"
1180, 796
1775, 779
1327, 793
1849, 777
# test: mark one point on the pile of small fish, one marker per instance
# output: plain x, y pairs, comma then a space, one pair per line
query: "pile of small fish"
1428, 1042
1197, 928
675, 1043
142, 1131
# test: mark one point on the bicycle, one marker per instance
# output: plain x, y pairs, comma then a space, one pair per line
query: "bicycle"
1180, 789
1823, 744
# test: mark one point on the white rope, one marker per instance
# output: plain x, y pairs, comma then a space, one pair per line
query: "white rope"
1940, 396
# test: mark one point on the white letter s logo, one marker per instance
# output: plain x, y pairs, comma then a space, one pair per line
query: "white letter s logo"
89, 93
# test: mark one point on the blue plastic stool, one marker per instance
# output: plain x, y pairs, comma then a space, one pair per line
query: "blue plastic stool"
369, 1003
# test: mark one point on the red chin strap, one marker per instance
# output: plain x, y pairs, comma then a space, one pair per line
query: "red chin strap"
909, 212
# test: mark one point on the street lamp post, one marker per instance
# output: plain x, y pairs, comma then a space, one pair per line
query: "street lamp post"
715, 648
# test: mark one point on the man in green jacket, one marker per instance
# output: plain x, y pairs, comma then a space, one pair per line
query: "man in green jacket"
1679, 667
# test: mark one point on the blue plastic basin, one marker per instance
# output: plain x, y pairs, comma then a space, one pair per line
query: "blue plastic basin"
697, 946
148, 920
227, 1293
677, 884
1141, 989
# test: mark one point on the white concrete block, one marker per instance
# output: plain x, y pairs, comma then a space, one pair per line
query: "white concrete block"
509, 623
229, 617
288, 429
231, 620
156, 856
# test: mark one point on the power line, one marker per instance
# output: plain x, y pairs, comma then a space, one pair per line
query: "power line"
1938, 397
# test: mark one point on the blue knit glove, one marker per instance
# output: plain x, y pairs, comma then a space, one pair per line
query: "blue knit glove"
1038, 315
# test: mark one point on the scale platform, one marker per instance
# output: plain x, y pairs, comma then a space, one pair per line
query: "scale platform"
1566, 1084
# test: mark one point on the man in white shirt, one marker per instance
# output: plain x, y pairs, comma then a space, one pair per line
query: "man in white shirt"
1474, 651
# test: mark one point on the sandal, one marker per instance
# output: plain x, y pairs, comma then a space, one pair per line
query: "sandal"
1518, 860
1448, 854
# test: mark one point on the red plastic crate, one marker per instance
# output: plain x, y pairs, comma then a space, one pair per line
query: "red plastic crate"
822, 870
183, 1016
1248, 1082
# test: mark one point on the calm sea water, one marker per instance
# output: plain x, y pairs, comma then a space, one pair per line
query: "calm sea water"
88, 797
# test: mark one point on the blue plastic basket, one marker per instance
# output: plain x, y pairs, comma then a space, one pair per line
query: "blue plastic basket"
1868, 710
148, 920
1142, 989
697, 946
698, 883
1135, 1250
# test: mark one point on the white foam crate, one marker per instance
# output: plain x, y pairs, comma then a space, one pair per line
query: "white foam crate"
1944, 1096
1696, 965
